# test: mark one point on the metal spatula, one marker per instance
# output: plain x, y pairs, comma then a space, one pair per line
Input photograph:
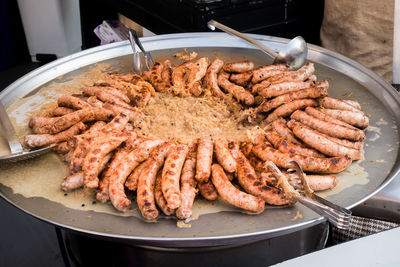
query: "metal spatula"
17, 151
338, 216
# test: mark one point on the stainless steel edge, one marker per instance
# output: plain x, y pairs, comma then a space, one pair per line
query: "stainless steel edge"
40, 76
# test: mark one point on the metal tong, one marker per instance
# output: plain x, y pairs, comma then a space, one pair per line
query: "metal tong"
141, 61
338, 216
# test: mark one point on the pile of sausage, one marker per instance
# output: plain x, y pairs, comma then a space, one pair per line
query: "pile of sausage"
95, 131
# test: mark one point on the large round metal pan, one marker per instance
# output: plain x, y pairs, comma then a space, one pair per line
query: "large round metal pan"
347, 78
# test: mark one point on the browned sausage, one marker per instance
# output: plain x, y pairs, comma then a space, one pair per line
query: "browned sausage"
156, 78
301, 74
92, 162
320, 143
105, 96
264, 151
41, 125
344, 142
260, 86
134, 116
283, 88
357, 119
208, 190
204, 159
232, 195
72, 102
188, 185
133, 178
119, 174
224, 156
196, 72
286, 109
63, 147
61, 111
171, 175
248, 179
265, 72
279, 125
316, 182
145, 188
238, 67
313, 92
328, 128
178, 78
241, 79
110, 90
353, 103
40, 140
160, 200
317, 113
335, 103
237, 91
286, 146
166, 72
211, 78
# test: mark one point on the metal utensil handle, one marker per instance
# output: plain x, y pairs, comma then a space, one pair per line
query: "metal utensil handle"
9, 131
137, 41
254, 42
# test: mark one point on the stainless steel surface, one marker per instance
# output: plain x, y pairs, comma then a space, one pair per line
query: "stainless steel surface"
9, 131
347, 78
294, 54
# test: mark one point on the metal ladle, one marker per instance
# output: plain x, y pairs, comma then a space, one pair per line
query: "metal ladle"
17, 151
294, 55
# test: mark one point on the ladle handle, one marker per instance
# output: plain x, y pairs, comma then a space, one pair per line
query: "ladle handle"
214, 24
9, 131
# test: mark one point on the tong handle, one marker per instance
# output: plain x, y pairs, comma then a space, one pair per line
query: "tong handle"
9, 131
139, 44
338, 216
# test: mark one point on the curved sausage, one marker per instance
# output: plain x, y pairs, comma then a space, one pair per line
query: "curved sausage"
178, 78
156, 78
239, 67
265, 72
208, 190
224, 156
92, 90
328, 128
248, 179
357, 119
133, 178
232, 195
320, 143
241, 79
171, 175
167, 72
40, 140
237, 91
283, 88
286, 146
160, 200
147, 178
204, 159
279, 125
105, 96
264, 151
211, 78
286, 109
196, 72
61, 111
317, 113
188, 185
335, 103
92, 163
313, 92
41, 125
301, 74
72, 102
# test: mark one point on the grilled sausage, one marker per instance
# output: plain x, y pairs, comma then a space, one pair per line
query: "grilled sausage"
301, 74
328, 128
353, 103
109, 90
171, 175
178, 78
286, 146
335, 103
156, 78
105, 96
248, 179
239, 67
133, 178
41, 125
260, 86
124, 168
211, 78
61, 111
320, 143
241, 79
237, 91
188, 185
317, 113
279, 125
160, 200
224, 156
167, 72
204, 159
264, 151
286, 109
72, 102
283, 88
92, 162
196, 72
265, 72
313, 92
357, 119
232, 195
208, 190
147, 178
40, 140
